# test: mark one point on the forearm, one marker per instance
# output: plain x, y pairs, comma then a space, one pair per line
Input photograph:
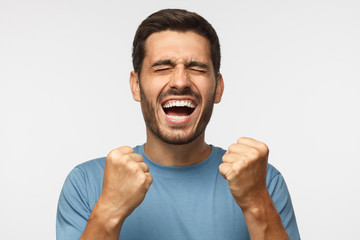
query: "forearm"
102, 224
263, 220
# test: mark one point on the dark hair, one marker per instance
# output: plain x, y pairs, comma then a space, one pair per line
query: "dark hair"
176, 20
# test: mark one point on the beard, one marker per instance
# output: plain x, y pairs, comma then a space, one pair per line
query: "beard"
152, 124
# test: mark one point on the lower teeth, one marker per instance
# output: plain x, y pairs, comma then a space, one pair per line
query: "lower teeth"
177, 117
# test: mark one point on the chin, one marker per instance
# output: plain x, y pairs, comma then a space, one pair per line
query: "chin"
176, 139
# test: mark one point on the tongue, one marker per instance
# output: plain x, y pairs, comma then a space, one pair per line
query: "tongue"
177, 111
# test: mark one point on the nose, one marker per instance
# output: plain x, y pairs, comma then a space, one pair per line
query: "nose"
180, 79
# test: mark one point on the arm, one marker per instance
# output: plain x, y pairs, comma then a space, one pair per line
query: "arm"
102, 223
263, 220
244, 167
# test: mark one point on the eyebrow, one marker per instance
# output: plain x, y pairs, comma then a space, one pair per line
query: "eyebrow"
197, 64
163, 62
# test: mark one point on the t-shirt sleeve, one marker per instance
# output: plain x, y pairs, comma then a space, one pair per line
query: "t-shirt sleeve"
281, 198
73, 208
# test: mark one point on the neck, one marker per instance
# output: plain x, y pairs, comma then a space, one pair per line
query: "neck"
176, 155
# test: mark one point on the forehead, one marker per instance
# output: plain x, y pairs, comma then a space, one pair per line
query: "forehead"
177, 46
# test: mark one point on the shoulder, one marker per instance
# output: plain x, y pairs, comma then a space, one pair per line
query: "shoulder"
83, 185
79, 194
90, 172
281, 197
272, 173
92, 166
274, 178
277, 186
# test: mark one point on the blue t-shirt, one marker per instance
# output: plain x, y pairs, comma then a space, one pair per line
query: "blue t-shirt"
192, 202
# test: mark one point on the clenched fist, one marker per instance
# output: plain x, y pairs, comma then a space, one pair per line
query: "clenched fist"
244, 167
126, 181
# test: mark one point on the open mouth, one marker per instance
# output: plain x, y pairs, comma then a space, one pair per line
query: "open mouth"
178, 109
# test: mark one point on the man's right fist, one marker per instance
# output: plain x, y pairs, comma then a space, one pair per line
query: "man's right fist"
126, 181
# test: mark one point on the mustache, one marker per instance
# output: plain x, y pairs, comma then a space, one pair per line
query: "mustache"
183, 92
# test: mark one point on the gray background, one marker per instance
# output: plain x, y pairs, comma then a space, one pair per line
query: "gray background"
291, 71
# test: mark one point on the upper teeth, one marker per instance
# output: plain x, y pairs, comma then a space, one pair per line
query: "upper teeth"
179, 104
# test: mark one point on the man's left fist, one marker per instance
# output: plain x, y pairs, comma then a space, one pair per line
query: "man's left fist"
244, 167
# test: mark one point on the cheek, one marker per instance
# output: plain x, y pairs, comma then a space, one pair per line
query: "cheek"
150, 96
150, 90
207, 90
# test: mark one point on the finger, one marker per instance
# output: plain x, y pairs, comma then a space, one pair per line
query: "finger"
225, 170
119, 152
238, 148
235, 157
144, 167
149, 179
253, 143
125, 149
136, 157
228, 158
246, 140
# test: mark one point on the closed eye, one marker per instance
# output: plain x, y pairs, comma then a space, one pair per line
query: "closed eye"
198, 70
196, 66
162, 65
162, 69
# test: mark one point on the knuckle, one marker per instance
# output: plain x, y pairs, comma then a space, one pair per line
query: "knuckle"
125, 161
112, 155
149, 177
142, 179
221, 167
254, 153
263, 147
225, 158
126, 158
146, 167
240, 139
120, 151
245, 140
137, 157
125, 149
237, 167
132, 167
232, 147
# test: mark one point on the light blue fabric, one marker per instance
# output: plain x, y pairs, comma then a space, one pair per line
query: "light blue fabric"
183, 203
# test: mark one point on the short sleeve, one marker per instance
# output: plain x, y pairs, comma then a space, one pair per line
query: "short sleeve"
73, 208
282, 200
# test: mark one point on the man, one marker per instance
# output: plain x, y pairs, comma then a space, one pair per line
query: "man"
176, 186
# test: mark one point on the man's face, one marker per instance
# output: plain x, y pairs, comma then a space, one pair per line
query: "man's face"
177, 86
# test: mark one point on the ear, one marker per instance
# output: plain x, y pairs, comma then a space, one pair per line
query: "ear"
135, 86
219, 88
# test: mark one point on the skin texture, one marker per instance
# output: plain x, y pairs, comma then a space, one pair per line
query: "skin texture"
174, 77
178, 66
